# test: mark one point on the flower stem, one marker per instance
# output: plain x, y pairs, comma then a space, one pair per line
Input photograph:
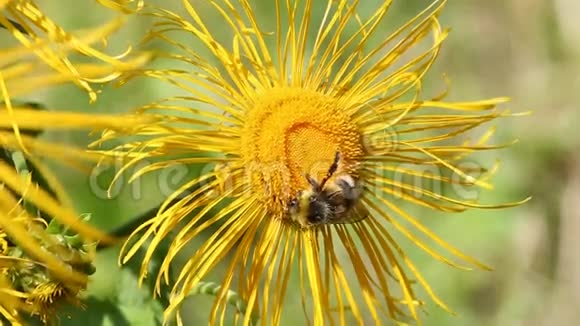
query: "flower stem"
232, 297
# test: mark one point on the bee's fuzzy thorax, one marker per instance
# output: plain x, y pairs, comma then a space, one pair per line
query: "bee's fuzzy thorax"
326, 202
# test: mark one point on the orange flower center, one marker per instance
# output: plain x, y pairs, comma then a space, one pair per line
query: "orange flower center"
292, 132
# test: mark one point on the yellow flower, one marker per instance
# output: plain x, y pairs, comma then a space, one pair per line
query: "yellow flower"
43, 261
312, 143
41, 267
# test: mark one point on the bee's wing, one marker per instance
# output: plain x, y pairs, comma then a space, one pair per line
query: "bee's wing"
356, 214
343, 213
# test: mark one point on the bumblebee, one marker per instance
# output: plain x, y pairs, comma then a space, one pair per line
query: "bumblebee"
326, 202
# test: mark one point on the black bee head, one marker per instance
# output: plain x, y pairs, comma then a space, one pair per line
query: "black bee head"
318, 210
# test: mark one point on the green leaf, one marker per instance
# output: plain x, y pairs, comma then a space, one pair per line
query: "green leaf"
137, 303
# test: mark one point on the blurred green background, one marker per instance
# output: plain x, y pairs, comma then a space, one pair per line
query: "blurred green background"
525, 49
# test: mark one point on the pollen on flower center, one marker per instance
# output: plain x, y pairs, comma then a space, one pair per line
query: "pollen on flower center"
291, 132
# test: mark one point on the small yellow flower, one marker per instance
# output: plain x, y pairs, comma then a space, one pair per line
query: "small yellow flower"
328, 108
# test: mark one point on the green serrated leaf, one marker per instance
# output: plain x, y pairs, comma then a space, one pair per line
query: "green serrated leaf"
137, 303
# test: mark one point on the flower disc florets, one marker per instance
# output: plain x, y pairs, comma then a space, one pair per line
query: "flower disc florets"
293, 132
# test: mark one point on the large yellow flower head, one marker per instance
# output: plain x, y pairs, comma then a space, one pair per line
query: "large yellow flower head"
304, 123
